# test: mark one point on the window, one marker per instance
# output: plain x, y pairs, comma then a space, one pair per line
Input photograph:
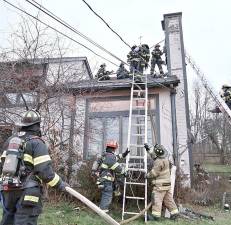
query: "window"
108, 119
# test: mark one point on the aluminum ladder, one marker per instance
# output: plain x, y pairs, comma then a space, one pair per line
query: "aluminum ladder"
136, 161
216, 97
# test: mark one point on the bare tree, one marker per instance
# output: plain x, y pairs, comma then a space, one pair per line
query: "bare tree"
210, 130
34, 75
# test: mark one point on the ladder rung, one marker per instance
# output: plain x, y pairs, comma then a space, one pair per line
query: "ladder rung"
132, 197
138, 124
139, 106
139, 98
131, 213
136, 157
138, 116
139, 91
138, 135
135, 183
135, 145
135, 83
137, 169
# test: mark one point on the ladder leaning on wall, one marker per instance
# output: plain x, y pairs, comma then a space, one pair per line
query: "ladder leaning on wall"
136, 161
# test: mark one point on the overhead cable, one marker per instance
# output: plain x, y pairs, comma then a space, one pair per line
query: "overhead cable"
106, 24
72, 39
59, 20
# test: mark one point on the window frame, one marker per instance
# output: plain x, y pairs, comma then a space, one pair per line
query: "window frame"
119, 114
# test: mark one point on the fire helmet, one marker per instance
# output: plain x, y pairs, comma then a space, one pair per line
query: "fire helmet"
157, 46
133, 47
29, 118
226, 86
145, 46
112, 144
103, 65
159, 150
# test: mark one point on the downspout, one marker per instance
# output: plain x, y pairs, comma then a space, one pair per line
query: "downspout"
174, 126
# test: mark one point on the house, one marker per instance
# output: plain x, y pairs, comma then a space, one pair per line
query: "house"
80, 113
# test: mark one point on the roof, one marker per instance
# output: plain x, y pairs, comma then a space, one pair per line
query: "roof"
39, 61
89, 85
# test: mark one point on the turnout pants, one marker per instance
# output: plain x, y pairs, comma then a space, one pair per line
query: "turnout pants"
157, 62
21, 207
106, 195
160, 197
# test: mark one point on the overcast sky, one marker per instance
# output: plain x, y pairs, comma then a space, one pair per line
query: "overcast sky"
206, 26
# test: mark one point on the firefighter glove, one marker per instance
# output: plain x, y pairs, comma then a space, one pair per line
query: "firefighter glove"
146, 147
63, 185
124, 154
146, 176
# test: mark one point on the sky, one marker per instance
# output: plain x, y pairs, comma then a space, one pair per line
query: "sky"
205, 23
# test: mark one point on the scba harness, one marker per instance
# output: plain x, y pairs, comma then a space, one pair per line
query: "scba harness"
14, 167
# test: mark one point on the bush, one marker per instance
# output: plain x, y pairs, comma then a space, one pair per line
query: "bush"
87, 183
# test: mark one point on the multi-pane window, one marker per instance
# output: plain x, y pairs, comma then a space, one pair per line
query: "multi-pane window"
108, 119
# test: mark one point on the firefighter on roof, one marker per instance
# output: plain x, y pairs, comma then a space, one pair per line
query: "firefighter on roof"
157, 60
106, 167
122, 73
102, 73
138, 58
25, 165
160, 175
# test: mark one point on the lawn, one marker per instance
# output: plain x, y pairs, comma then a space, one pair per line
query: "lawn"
68, 214
217, 168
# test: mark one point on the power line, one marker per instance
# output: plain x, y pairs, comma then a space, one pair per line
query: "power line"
59, 20
14, 6
106, 24
72, 39
52, 15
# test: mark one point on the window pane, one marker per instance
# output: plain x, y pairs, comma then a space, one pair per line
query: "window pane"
109, 105
95, 133
111, 129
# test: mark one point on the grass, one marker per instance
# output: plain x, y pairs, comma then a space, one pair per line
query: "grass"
217, 168
67, 214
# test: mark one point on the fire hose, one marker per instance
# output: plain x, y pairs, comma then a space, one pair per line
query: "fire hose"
101, 213
91, 205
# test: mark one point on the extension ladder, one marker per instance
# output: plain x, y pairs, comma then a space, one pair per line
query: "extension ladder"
136, 161
217, 98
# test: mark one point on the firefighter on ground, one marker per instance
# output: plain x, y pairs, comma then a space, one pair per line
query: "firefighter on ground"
25, 165
156, 60
122, 72
106, 168
226, 94
160, 175
102, 73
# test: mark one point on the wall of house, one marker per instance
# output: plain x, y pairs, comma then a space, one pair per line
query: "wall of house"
176, 66
161, 105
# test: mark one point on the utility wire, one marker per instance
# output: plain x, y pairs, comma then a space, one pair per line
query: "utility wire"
52, 15
72, 39
107, 24
59, 20
14, 6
